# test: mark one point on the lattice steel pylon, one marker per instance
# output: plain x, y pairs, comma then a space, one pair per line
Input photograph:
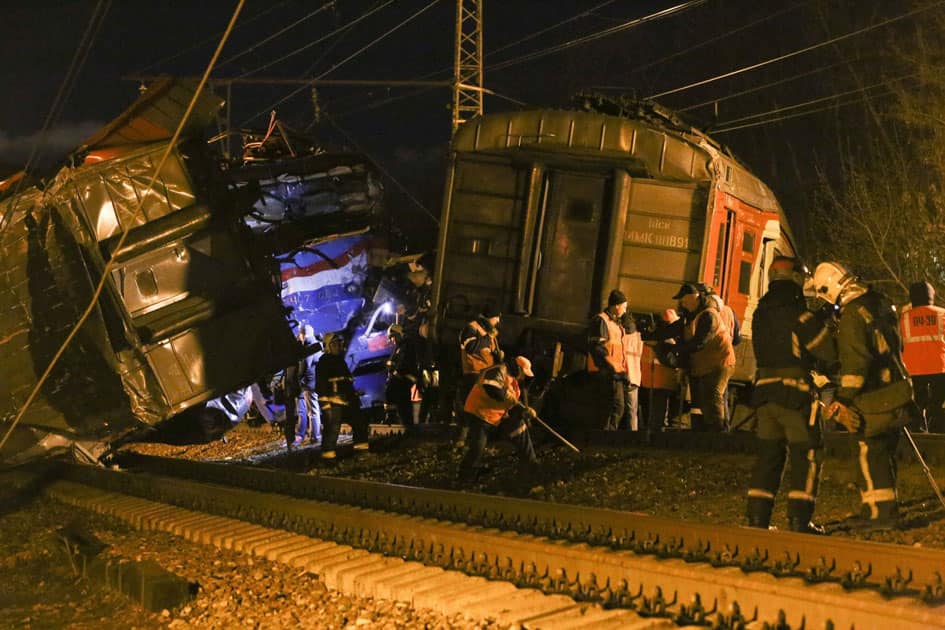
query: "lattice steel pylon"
467, 63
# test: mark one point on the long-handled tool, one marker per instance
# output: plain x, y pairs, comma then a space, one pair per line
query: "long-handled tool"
925, 467
544, 424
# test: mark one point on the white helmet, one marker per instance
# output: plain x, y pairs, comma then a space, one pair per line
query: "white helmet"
830, 280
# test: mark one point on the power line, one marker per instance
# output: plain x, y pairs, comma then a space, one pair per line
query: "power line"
383, 170
538, 54
302, 49
817, 100
865, 99
211, 38
308, 16
343, 61
62, 95
110, 264
719, 37
764, 86
554, 26
796, 52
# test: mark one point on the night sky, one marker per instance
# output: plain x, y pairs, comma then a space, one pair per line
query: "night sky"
406, 129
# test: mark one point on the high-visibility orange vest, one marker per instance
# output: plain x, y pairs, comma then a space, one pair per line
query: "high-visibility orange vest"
474, 363
484, 406
923, 339
717, 352
616, 356
654, 374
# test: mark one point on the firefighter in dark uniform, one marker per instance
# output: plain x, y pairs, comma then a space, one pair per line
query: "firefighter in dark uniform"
338, 398
607, 357
495, 402
789, 341
478, 349
875, 398
401, 375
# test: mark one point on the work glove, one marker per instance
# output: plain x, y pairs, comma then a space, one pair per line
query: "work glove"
843, 415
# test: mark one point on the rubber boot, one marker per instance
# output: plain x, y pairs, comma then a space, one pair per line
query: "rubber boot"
759, 512
800, 512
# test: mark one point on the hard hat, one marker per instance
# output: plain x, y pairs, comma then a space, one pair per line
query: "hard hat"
716, 300
524, 366
788, 268
395, 330
830, 279
669, 315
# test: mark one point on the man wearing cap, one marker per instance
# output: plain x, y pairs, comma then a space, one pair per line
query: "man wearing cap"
495, 402
705, 348
659, 382
607, 357
478, 349
401, 375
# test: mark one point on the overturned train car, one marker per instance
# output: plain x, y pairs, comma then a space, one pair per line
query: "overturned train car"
190, 309
546, 211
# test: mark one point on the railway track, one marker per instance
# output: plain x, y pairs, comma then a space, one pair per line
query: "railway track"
604, 567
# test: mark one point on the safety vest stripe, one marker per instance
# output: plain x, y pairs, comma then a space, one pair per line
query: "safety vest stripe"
520, 430
816, 341
789, 382
911, 338
878, 495
852, 380
799, 495
760, 494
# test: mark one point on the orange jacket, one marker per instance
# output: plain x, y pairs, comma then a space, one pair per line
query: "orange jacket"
613, 344
923, 339
717, 351
482, 400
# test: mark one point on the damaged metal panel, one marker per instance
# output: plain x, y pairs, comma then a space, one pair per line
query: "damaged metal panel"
189, 311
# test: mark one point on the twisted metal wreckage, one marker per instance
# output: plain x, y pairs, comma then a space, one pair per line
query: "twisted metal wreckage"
222, 261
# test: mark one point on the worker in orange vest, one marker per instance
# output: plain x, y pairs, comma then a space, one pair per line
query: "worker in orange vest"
922, 326
495, 403
659, 383
607, 358
478, 349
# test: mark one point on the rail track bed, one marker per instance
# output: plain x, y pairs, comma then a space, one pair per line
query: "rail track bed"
606, 568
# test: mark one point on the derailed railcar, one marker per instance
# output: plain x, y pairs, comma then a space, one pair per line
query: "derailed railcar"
546, 211
189, 311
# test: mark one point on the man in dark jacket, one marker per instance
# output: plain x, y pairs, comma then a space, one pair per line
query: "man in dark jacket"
310, 419
607, 357
875, 398
704, 346
401, 375
789, 341
338, 398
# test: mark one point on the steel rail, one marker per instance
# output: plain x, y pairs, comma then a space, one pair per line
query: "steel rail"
590, 572
824, 559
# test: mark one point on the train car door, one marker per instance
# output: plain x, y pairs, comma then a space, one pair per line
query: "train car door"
569, 246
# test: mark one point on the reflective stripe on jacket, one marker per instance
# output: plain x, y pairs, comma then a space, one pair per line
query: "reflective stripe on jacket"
493, 395
717, 351
923, 339
616, 355
654, 374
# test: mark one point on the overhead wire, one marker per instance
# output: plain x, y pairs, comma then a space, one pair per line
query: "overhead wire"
278, 33
66, 86
381, 168
719, 37
795, 53
361, 50
302, 49
817, 100
550, 28
764, 86
629, 24
865, 99
110, 264
212, 38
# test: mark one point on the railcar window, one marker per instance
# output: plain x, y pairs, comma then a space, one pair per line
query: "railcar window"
748, 242
580, 210
744, 278
147, 284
